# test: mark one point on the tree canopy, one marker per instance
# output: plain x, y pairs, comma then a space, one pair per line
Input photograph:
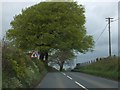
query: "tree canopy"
51, 25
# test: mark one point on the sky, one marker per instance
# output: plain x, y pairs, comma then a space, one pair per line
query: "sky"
95, 12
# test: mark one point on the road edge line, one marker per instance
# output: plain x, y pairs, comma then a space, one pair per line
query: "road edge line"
63, 73
81, 85
69, 77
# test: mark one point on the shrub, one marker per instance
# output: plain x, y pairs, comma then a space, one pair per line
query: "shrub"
19, 70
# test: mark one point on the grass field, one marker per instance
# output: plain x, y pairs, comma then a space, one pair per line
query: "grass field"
108, 68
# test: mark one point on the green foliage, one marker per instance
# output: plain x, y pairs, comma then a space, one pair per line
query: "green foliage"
51, 25
40, 65
11, 82
62, 55
19, 70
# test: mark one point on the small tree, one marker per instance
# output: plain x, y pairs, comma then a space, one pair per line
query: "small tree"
61, 57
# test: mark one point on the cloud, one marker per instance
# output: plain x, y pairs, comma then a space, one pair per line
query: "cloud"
95, 16
22, 0
9, 10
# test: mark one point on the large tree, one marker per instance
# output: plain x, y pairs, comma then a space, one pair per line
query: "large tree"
51, 26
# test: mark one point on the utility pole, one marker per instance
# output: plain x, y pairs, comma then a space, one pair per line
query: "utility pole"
109, 20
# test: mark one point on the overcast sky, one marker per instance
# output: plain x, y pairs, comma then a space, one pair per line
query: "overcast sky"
96, 12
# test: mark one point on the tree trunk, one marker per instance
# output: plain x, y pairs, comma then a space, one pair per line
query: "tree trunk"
41, 56
46, 58
61, 65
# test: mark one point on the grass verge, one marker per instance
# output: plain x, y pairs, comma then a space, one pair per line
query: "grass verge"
108, 68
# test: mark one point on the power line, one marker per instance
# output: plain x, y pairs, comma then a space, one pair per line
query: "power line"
101, 33
105, 28
115, 20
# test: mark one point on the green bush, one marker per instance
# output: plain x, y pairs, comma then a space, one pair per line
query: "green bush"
12, 83
19, 71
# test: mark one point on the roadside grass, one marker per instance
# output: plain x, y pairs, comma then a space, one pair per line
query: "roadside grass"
108, 68
51, 69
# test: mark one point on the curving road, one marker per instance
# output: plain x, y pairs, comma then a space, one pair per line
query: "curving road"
75, 80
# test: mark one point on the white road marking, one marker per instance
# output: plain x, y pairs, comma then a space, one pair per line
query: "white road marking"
75, 82
81, 85
63, 73
69, 77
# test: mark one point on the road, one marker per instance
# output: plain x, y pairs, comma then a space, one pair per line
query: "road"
75, 80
